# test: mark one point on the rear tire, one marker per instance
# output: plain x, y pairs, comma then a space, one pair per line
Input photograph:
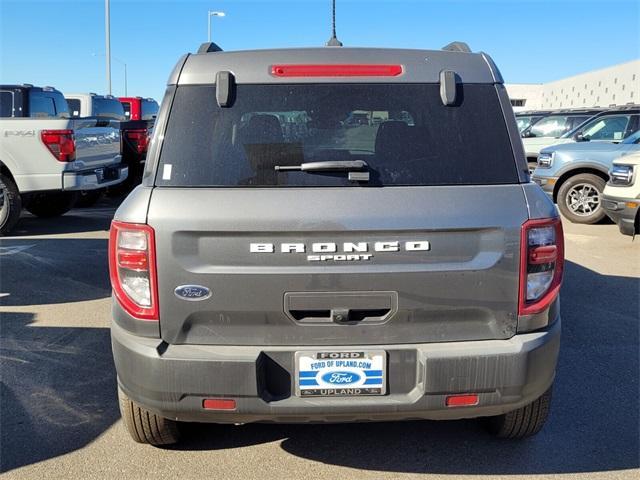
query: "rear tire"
10, 204
523, 422
145, 426
579, 198
54, 204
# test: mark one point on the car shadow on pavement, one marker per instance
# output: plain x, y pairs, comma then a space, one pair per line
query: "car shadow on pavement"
58, 394
57, 389
594, 423
53, 271
78, 220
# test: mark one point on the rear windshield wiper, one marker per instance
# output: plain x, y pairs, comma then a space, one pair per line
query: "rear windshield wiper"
354, 167
346, 165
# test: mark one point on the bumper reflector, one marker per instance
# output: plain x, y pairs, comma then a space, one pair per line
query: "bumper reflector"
462, 400
219, 404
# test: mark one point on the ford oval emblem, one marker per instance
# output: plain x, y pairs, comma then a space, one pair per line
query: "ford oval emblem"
192, 293
341, 378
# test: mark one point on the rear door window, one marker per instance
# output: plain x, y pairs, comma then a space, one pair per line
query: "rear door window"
41, 105
7, 103
403, 132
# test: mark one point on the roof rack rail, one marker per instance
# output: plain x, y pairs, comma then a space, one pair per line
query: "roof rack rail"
208, 47
457, 47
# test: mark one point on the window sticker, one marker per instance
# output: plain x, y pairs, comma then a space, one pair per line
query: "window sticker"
166, 171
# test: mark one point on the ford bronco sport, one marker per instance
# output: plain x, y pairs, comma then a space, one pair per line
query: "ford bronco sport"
335, 235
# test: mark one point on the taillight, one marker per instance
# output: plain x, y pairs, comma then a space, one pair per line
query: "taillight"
60, 143
139, 139
541, 264
336, 70
132, 268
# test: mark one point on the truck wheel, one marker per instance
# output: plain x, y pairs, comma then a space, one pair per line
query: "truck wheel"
47, 205
88, 198
579, 198
10, 204
145, 426
523, 422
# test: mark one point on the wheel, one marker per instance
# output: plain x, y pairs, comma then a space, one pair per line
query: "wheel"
10, 204
579, 198
54, 204
144, 426
88, 198
523, 422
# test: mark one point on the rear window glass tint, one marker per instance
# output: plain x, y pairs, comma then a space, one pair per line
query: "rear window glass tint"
74, 107
7, 103
41, 105
108, 108
149, 110
127, 109
404, 133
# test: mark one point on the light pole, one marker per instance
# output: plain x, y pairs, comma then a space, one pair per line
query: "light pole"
209, 15
123, 63
107, 30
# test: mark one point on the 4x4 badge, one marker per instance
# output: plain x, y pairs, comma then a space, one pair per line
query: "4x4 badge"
192, 293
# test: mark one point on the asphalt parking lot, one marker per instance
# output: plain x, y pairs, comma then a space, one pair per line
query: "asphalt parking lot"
60, 419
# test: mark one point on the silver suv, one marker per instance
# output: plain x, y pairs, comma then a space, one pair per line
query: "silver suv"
335, 235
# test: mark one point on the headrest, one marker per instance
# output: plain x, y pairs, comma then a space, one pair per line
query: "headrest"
263, 129
391, 134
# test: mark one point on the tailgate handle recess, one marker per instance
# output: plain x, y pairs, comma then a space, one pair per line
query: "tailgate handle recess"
344, 308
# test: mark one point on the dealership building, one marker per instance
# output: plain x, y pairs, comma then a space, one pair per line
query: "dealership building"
611, 86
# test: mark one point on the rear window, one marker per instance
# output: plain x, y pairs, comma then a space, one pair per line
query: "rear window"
108, 108
402, 131
74, 107
127, 109
149, 109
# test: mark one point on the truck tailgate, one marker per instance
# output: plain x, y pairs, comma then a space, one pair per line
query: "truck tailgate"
97, 142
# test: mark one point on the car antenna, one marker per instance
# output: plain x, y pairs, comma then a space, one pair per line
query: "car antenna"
333, 41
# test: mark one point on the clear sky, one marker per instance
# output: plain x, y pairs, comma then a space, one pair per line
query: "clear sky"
51, 42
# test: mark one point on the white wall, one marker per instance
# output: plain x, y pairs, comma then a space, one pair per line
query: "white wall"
529, 93
616, 85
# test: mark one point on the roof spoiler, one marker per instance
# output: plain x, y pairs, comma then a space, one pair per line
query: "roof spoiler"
457, 47
209, 47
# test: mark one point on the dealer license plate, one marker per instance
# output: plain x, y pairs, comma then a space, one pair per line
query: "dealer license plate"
341, 374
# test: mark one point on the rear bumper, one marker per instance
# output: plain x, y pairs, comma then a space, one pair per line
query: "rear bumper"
95, 178
173, 380
619, 211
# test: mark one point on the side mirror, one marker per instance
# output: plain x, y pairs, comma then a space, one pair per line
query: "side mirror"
579, 137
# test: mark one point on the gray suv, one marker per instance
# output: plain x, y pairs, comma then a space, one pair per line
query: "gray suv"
335, 235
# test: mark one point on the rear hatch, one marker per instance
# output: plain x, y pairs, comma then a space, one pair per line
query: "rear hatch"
426, 250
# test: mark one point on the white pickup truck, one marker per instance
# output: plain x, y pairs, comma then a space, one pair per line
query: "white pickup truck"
47, 157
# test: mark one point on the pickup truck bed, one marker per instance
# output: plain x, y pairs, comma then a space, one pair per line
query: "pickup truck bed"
47, 157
